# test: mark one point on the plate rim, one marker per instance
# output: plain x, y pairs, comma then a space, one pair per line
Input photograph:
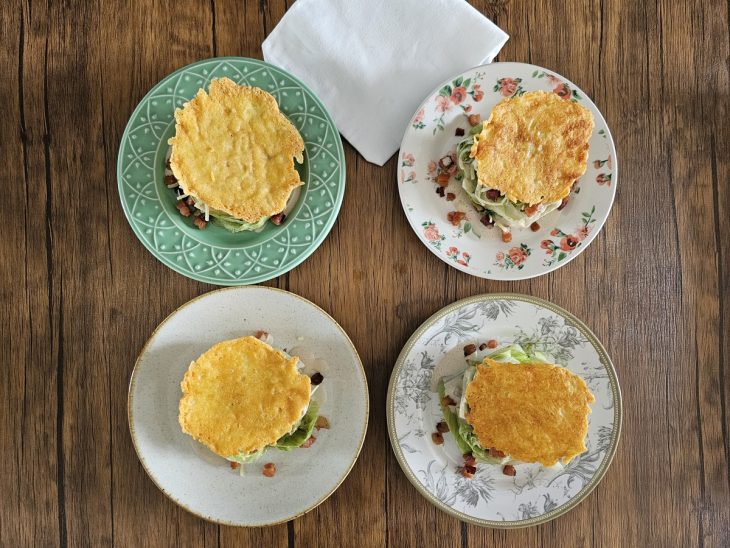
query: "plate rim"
613, 381
592, 236
133, 380
336, 206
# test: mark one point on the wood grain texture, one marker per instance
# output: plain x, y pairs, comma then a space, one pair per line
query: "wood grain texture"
80, 295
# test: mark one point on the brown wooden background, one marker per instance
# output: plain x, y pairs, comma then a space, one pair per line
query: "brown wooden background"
80, 294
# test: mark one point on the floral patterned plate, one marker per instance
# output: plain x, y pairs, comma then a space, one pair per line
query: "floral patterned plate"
471, 247
215, 255
536, 494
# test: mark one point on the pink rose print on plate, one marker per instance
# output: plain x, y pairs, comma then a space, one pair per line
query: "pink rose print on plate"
458, 257
408, 160
477, 93
560, 88
417, 122
509, 87
442, 103
432, 234
410, 177
603, 179
559, 249
458, 95
515, 257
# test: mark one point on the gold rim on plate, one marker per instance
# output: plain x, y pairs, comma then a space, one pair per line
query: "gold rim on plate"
133, 379
617, 414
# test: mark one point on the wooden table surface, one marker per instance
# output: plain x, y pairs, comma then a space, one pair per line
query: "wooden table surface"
80, 294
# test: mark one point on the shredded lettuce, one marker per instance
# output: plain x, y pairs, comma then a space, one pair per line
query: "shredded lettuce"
301, 431
452, 421
504, 213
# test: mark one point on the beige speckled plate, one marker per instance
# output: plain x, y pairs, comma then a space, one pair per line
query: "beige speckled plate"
200, 481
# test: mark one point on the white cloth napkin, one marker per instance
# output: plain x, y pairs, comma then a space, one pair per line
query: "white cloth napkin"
372, 62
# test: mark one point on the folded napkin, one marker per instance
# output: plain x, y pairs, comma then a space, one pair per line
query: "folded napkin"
372, 62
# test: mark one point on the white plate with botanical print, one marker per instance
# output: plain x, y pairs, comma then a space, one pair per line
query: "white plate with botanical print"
535, 494
204, 483
433, 134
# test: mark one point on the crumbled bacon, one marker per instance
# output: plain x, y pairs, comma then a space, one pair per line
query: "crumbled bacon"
234, 465
482, 346
184, 210
443, 179
440, 191
474, 119
278, 218
446, 401
262, 335
468, 471
317, 378
455, 217
269, 470
445, 162
437, 438
530, 210
469, 459
493, 194
496, 453
322, 422
170, 180
487, 220
491, 343
564, 203
506, 237
309, 442
509, 470
535, 226
200, 223
469, 349
442, 427
450, 197
459, 132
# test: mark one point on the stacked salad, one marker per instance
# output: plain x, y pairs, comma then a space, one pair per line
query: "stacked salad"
453, 389
502, 212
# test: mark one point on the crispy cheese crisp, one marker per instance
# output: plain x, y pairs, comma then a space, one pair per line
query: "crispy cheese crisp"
535, 412
533, 147
242, 395
234, 150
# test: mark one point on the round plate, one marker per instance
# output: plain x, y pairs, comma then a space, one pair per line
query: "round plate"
471, 247
536, 494
200, 481
215, 255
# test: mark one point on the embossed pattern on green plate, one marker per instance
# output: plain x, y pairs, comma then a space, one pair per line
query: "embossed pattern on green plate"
215, 255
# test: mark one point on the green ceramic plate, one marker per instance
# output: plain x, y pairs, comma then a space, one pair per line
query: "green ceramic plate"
215, 255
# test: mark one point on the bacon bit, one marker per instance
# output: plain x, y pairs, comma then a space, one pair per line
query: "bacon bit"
450, 197
459, 132
532, 209
474, 119
493, 194
443, 179
262, 335
437, 438
234, 465
309, 442
322, 422
317, 378
442, 427
482, 346
455, 217
469, 349
446, 401
269, 470
506, 237
446, 161
564, 203
491, 343
170, 180
496, 453
509, 470
190, 201
469, 459
487, 221
535, 226
278, 218
468, 471
200, 223
184, 210
440, 191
